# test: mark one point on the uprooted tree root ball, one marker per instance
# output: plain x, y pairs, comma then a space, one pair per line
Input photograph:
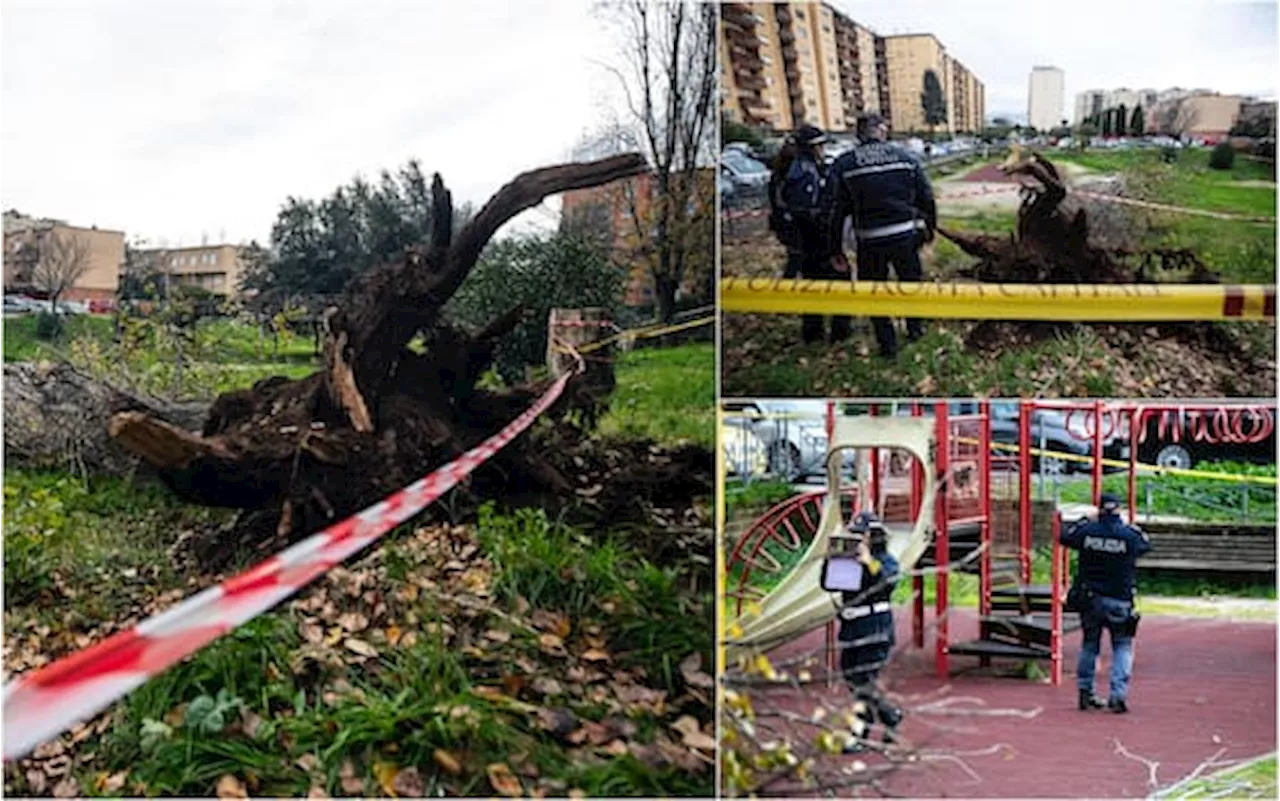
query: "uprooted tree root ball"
1053, 244
299, 455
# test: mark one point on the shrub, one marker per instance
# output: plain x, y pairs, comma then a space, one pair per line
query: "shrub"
1222, 157
539, 273
49, 326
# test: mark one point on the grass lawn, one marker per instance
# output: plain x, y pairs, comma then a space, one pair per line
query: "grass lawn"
1195, 498
667, 394
1248, 188
512, 655
21, 345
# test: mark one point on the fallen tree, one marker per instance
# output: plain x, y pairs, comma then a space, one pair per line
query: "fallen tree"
297, 455
1054, 243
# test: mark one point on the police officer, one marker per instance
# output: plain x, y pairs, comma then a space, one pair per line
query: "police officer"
797, 198
1105, 576
886, 190
866, 628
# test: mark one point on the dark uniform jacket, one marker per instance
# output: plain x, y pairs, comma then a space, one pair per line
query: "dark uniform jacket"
884, 186
876, 622
1109, 552
799, 206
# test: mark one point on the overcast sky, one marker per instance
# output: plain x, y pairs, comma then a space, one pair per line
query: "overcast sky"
1225, 45
173, 121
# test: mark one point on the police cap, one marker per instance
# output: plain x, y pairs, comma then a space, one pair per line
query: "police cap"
809, 135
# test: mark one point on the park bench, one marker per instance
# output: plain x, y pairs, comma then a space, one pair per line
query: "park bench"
1211, 547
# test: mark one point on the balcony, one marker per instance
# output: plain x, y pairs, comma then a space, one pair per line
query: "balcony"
739, 16
783, 13
786, 35
745, 57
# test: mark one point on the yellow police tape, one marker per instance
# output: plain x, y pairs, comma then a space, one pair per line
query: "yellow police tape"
1071, 302
1154, 468
642, 333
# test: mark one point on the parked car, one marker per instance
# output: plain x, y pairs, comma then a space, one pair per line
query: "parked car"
1058, 431
21, 304
747, 175
793, 435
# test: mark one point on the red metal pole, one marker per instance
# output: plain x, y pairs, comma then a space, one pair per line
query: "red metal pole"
833, 661
984, 511
1137, 419
875, 505
1024, 489
1055, 603
1097, 453
942, 545
917, 580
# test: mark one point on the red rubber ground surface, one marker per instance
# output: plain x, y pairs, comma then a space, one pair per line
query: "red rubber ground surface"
1198, 686
990, 174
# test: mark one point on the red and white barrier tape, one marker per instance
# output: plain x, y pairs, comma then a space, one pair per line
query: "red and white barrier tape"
1147, 204
40, 705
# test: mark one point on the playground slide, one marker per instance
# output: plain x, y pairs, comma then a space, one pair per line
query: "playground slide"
799, 604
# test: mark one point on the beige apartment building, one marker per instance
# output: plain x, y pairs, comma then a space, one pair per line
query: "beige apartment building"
787, 64
215, 268
909, 57
1203, 116
27, 238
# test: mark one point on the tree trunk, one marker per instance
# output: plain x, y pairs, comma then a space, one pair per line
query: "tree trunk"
377, 416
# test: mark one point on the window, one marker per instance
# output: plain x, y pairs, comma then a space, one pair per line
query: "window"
799, 14
173, 261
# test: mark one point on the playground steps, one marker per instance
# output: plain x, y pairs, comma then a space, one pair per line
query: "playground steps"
993, 648
1025, 630
1020, 623
962, 541
1022, 599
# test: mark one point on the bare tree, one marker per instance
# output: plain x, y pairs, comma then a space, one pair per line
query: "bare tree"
1175, 117
668, 75
61, 260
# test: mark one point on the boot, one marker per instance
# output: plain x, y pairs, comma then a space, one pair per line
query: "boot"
1117, 705
1089, 701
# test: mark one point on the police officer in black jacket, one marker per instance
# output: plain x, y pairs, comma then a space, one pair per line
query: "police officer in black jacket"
884, 187
797, 197
1105, 578
866, 628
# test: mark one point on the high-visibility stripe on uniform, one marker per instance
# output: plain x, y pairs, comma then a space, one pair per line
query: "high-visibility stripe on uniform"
898, 165
888, 230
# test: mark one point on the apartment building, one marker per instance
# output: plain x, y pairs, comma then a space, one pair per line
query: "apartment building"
1088, 103
27, 241
1207, 116
214, 268
909, 57
753, 85
787, 64
1045, 98
609, 215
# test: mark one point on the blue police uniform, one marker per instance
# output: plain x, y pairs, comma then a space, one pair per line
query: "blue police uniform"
802, 202
885, 189
1107, 568
867, 638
